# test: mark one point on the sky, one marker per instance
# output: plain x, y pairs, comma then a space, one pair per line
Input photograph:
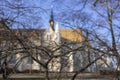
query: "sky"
44, 8
39, 11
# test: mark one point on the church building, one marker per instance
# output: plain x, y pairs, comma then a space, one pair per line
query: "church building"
56, 41
61, 50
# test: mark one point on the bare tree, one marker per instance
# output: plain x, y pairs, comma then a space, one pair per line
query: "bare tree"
99, 49
101, 32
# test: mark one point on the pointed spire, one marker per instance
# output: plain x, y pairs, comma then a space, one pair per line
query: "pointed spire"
57, 27
51, 21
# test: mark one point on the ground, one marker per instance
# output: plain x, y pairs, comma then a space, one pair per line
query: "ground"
62, 76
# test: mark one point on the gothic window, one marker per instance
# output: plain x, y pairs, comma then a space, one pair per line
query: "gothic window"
48, 37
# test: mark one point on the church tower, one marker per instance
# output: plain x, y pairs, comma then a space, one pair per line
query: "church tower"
52, 34
52, 41
51, 21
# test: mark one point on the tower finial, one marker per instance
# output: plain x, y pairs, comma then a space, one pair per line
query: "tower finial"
51, 21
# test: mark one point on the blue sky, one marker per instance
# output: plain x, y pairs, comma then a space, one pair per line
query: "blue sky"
59, 7
39, 11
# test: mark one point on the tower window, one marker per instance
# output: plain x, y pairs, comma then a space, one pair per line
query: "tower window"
48, 37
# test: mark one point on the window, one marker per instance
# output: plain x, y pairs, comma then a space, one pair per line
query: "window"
48, 37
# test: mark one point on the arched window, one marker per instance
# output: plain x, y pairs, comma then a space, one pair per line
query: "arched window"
48, 37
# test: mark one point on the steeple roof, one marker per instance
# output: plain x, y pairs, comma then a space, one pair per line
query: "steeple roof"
51, 21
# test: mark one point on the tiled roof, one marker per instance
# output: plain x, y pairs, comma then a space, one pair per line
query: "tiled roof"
74, 35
